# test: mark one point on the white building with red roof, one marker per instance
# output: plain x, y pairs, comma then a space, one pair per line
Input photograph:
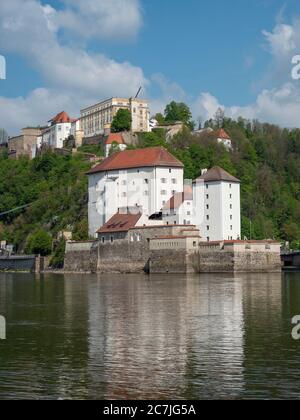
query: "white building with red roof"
224, 138
59, 129
114, 139
143, 179
217, 205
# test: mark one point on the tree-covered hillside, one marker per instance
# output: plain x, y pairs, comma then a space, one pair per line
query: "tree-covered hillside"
56, 189
265, 157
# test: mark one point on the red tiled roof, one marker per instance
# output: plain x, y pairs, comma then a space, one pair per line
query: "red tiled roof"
62, 118
221, 134
218, 174
115, 138
120, 223
139, 158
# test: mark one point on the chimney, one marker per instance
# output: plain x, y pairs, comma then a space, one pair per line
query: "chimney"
204, 171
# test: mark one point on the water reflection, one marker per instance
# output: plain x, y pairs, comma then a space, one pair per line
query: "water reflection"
208, 336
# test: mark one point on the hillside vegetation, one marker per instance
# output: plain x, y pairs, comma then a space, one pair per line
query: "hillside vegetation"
265, 158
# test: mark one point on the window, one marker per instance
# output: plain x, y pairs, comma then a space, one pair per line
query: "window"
163, 180
231, 228
146, 181
230, 196
207, 239
103, 239
170, 171
124, 194
174, 181
146, 193
206, 186
231, 217
124, 182
230, 185
174, 192
207, 217
207, 227
188, 213
230, 206
207, 206
194, 244
207, 196
112, 239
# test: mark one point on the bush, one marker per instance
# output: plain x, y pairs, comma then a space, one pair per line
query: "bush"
58, 258
39, 243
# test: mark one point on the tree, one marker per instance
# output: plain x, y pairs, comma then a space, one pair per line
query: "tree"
58, 258
219, 117
40, 243
121, 121
179, 111
160, 118
115, 147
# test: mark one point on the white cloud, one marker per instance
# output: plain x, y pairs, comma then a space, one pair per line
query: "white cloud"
282, 40
29, 29
102, 18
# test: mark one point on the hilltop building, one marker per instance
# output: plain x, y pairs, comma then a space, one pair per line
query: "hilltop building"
96, 119
224, 138
27, 144
114, 139
59, 129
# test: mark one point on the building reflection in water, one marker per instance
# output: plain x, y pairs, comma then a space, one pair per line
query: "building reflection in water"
167, 337
157, 337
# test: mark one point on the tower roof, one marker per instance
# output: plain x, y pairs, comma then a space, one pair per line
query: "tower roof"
62, 118
221, 134
218, 174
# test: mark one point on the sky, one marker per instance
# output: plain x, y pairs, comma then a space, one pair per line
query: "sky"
68, 54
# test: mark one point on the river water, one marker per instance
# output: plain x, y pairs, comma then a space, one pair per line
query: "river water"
157, 337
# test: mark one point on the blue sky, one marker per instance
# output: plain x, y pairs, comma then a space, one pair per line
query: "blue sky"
234, 53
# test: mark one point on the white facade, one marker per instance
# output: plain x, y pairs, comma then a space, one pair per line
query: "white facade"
55, 135
179, 210
218, 210
226, 142
147, 188
97, 119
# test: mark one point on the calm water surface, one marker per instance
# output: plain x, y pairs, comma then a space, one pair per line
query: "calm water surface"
158, 337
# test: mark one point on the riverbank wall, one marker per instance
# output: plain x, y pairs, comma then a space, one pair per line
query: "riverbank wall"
171, 254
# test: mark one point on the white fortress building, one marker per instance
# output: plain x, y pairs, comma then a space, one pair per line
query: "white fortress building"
150, 182
141, 180
97, 119
217, 205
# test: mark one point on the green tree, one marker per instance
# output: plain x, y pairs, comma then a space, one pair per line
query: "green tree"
58, 258
160, 118
115, 147
121, 121
179, 111
40, 243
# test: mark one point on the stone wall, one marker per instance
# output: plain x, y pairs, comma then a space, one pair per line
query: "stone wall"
81, 257
171, 262
225, 261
